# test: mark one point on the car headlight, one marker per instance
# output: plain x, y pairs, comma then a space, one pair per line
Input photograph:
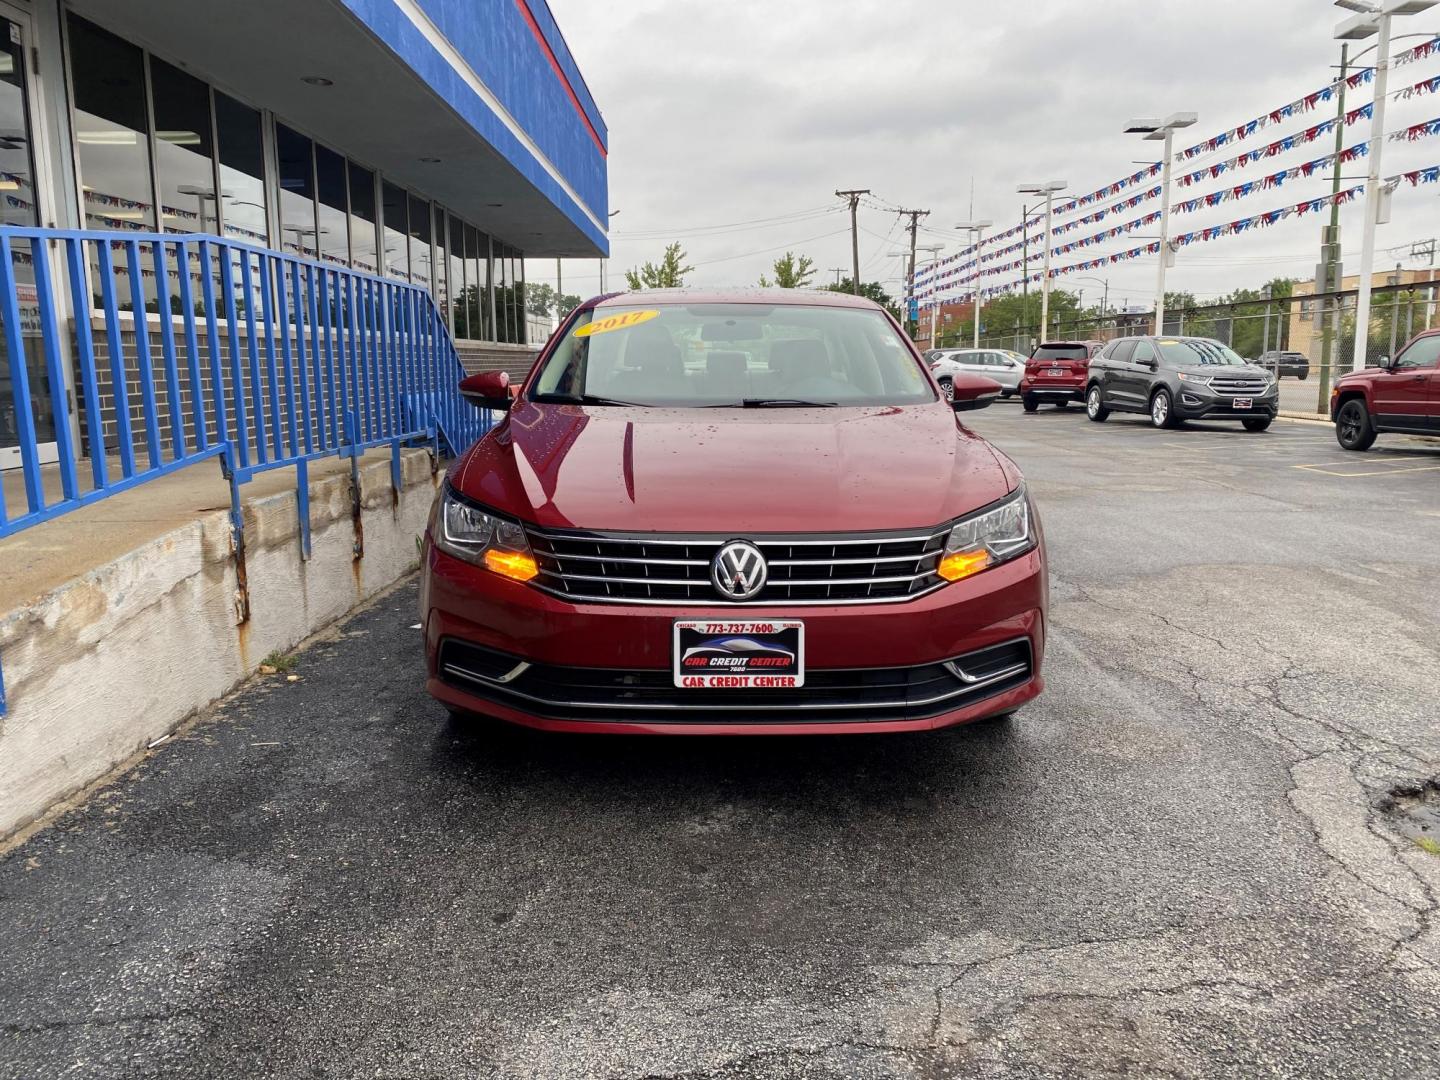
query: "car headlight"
988, 539
1202, 380
499, 544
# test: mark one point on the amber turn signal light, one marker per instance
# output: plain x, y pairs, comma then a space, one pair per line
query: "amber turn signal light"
961, 564
516, 565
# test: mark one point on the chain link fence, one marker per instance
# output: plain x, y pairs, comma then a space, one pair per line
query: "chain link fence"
1321, 328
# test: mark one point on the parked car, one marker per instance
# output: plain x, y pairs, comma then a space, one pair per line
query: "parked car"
1285, 363
1174, 379
993, 363
792, 532
1055, 373
1400, 395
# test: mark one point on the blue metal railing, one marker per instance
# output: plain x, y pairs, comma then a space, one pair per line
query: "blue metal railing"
190, 347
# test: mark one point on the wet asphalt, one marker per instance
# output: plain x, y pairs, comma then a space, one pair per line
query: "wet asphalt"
1194, 856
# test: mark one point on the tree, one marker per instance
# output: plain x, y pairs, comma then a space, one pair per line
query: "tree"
565, 303
539, 298
670, 274
790, 273
871, 290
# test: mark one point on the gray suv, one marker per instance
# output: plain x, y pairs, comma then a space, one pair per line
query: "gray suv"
1174, 379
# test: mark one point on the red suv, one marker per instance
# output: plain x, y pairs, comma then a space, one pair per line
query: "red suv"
733, 512
1056, 373
1400, 395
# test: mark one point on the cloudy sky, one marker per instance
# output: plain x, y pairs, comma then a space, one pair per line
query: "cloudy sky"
732, 124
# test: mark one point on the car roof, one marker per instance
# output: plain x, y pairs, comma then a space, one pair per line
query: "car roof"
772, 297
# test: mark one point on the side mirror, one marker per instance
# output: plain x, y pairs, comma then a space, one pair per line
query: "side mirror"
969, 392
1385, 362
488, 389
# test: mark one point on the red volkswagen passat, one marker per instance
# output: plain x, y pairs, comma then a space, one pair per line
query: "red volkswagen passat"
733, 512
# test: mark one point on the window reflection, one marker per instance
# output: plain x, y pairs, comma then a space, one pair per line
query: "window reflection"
362, 219
17, 165
242, 171
296, 167
108, 77
420, 269
442, 266
334, 216
184, 150
395, 231
459, 286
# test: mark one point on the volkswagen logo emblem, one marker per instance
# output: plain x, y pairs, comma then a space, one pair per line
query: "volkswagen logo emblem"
738, 570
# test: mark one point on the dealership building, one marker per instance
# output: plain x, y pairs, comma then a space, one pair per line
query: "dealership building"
432, 142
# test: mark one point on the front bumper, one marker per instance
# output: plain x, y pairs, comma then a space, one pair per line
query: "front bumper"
607, 668
1201, 404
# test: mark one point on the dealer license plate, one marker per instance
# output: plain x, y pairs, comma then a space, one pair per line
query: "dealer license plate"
1244, 403
713, 654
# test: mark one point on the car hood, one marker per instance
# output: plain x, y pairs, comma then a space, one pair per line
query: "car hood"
1253, 371
723, 470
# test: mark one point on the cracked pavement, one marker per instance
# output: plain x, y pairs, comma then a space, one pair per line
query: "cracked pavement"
1180, 862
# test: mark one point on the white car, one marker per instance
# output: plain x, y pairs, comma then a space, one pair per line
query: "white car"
998, 364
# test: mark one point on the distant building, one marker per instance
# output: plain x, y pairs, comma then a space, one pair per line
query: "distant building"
1305, 332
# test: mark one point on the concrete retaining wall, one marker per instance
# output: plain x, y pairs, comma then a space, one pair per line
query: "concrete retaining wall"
107, 663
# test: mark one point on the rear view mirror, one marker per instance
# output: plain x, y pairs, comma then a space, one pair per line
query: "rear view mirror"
969, 392
488, 389
732, 330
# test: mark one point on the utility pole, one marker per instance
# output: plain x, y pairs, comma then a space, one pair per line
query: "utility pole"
1162, 131
837, 271
1330, 275
914, 216
854, 196
1048, 189
1373, 20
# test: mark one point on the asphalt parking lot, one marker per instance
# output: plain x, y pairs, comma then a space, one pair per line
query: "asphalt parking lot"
1195, 855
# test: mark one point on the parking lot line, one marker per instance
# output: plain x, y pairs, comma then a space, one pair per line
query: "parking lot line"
1369, 472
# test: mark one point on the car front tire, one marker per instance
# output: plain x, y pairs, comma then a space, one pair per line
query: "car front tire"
1162, 412
947, 387
1354, 429
1095, 406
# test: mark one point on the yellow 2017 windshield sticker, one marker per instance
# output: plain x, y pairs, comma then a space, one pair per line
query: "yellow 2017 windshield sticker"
623, 321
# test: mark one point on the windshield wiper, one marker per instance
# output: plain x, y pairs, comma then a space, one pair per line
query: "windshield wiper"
590, 399
785, 403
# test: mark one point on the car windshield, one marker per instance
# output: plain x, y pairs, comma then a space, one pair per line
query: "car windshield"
740, 355
1189, 351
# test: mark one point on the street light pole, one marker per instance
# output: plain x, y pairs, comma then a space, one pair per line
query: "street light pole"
977, 231
1162, 131
1373, 19
1047, 189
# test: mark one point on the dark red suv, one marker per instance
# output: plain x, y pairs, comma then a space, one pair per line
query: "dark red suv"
1055, 373
1400, 395
733, 512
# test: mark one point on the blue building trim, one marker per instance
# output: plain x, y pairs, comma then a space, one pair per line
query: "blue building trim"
545, 19
496, 42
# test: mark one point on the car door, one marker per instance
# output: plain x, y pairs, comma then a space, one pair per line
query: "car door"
1129, 377
1406, 397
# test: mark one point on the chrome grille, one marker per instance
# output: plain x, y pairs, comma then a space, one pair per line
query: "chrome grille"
1240, 385
667, 569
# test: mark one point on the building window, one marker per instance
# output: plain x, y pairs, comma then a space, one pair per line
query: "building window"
459, 285
393, 217
184, 150
242, 171
108, 76
334, 213
421, 271
21, 205
363, 220
295, 164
